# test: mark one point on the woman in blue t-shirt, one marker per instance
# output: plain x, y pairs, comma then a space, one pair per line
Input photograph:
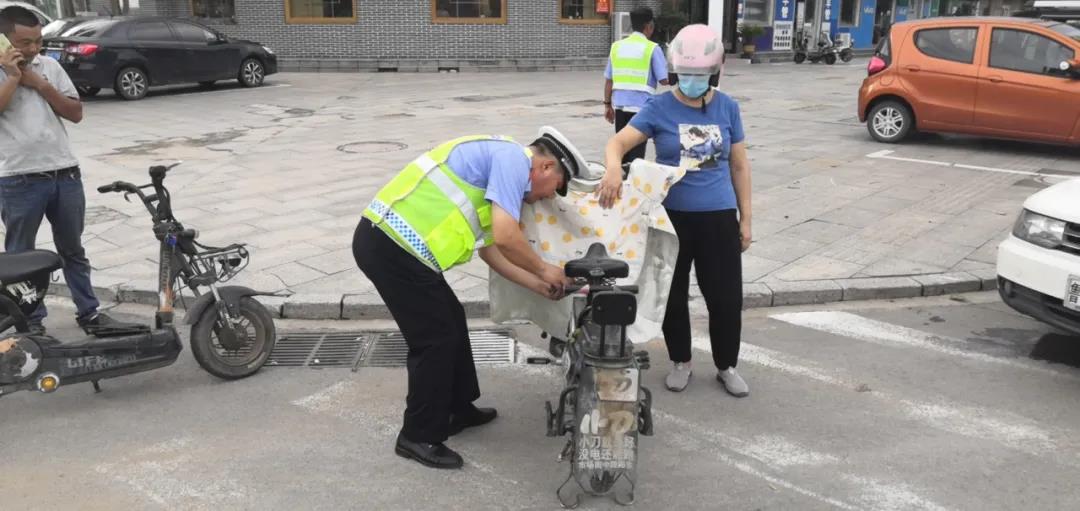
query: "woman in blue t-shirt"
698, 128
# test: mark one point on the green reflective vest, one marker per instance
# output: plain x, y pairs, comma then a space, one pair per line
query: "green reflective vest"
631, 59
432, 213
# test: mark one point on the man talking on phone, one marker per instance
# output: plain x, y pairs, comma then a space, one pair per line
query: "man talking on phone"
39, 175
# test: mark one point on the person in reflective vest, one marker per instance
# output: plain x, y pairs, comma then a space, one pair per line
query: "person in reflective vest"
636, 65
463, 196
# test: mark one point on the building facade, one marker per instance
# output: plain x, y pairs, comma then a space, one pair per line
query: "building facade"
862, 22
413, 34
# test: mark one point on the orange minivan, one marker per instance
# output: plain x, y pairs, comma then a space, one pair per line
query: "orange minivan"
1012, 78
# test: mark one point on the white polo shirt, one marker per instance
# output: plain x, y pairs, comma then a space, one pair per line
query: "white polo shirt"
32, 135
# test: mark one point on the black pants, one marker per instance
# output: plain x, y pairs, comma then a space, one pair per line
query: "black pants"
621, 120
442, 376
710, 240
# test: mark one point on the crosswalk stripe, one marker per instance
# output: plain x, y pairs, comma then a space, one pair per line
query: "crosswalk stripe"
872, 493
887, 334
1007, 428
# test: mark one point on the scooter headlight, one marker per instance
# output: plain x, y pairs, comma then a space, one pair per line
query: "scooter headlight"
48, 382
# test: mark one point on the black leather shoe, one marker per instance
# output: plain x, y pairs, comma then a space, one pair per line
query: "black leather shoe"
473, 417
429, 455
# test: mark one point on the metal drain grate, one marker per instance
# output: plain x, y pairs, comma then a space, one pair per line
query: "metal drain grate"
377, 349
489, 347
338, 349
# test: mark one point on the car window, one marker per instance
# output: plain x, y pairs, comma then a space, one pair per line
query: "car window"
151, 31
192, 34
1027, 52
92, 28
955, 44
1066, 30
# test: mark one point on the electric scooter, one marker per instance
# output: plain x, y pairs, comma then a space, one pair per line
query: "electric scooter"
232, 334
603, 406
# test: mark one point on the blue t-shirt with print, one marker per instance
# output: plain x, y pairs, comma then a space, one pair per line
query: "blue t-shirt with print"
499, 167
699, 141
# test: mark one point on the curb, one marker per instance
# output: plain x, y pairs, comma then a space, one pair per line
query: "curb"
755, 295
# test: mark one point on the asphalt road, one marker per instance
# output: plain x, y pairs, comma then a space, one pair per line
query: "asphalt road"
944, 403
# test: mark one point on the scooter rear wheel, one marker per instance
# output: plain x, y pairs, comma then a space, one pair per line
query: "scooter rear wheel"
830, 58
800, 57
256, 336
846, 55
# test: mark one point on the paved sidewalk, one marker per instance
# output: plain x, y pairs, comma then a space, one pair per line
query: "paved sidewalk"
287, 168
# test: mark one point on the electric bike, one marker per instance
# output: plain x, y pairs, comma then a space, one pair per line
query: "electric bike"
602, 407
231, 337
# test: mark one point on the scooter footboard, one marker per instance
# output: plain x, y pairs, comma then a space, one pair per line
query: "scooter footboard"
101, 359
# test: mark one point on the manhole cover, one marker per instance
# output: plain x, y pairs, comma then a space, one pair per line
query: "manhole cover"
376, 349
371, 147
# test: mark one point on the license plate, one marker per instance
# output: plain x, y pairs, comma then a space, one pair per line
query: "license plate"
54, 54
1072, 293
617, 385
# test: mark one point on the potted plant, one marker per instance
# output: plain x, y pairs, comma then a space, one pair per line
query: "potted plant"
749, 33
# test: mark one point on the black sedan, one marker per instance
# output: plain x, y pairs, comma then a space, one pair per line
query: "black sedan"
132, 54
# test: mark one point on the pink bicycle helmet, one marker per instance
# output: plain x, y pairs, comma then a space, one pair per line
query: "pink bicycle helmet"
696, 50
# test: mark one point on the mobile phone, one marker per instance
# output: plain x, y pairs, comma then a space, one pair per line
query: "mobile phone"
5, 45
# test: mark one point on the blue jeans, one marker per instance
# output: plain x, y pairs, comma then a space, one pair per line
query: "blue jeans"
24, 201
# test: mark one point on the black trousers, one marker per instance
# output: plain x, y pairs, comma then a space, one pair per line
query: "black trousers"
442, 375
621, 120
709, 240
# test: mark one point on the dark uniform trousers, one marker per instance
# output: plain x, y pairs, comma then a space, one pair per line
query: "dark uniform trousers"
442, 376
622, 118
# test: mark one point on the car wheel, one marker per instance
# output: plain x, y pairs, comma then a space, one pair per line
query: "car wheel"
252, 73
88, 92
208, 84
131, 83
890, 121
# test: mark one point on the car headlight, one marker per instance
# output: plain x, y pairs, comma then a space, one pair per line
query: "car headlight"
1038, 229
268, 50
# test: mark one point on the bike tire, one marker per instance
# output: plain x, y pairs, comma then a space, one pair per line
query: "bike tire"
846, 55
800, 57
830, 58
219, 364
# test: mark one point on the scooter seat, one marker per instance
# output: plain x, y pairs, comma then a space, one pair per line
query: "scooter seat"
597, 264
23, 265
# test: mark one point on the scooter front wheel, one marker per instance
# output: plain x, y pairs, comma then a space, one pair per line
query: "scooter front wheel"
846, 55
800, 57
233, 350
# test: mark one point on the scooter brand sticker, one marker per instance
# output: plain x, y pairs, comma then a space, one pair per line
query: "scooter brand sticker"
80, 365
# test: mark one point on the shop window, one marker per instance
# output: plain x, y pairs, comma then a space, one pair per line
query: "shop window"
320, 11
585, 11
757, 11
955, 44
214, 9
1017, 50
468, 11
849, 13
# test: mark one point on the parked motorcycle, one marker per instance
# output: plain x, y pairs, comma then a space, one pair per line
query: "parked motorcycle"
826, 50
231, 337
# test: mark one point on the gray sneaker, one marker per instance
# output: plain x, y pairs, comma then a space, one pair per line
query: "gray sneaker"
733, 383
679, 377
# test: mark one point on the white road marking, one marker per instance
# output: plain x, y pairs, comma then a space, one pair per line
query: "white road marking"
328, 401
887, 155
890, 496
887, 334
1007, 428
164, 474
873, 493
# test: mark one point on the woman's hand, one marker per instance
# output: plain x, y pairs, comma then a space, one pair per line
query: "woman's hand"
745, 234
610, 189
